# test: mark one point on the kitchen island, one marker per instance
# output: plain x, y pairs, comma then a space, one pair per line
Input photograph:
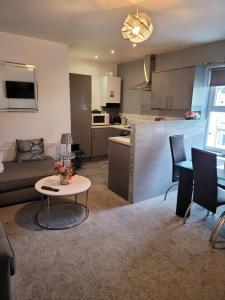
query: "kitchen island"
140, 167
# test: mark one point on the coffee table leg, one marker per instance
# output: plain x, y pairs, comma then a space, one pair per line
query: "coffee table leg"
86, 202
42, 201
48, 211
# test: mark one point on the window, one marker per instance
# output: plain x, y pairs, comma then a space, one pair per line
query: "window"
215, 138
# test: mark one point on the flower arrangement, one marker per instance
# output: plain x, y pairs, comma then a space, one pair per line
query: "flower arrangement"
64, 171
192, 115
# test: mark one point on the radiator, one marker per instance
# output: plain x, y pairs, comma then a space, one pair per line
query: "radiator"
51, 149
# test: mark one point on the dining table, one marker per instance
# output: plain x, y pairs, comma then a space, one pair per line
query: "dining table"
185, 185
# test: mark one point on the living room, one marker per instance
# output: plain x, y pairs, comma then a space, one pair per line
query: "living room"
104, 231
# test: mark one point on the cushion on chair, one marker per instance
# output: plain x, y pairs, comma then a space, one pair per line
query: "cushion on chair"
20, 176
220, 196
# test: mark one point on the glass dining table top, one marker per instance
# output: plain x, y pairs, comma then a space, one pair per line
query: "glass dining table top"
187, 164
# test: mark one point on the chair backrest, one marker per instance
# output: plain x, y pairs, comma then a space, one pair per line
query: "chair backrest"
205, 179
177, 152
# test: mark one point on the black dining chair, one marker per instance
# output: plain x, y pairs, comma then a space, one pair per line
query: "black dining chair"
206, 190
178, 155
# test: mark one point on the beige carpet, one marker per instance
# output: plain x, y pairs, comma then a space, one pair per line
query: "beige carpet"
121, 252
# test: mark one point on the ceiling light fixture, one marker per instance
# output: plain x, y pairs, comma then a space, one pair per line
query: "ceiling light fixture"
112, 51
137, 28
96, 56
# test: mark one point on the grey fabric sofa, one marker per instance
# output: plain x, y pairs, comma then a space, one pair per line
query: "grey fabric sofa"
18, 180
7, 264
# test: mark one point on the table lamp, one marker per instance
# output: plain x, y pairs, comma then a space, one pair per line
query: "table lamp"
66, 139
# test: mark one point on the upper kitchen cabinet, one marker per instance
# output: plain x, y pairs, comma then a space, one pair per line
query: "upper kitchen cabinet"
110, 90
175, 89
161, 89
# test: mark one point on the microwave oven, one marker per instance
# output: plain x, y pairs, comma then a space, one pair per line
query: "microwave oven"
100, 119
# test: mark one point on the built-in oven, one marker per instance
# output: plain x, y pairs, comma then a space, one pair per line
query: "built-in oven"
100, 119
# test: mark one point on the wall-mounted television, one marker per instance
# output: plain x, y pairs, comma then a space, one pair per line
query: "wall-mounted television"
20, 89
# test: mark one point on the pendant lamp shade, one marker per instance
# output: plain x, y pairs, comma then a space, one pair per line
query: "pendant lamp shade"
137, 28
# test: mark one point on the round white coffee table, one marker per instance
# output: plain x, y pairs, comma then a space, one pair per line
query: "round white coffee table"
67, 213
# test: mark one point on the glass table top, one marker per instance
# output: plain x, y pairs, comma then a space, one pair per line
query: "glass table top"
187, 164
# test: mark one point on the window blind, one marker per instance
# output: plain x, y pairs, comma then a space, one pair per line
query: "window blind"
217, 77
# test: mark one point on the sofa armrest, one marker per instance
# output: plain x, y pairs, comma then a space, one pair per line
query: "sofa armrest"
5, 291
7, 264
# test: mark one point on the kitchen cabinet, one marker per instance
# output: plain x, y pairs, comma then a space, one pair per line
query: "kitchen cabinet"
115, 132
110, 90
173, 89
80, 108
99, 141
119, 166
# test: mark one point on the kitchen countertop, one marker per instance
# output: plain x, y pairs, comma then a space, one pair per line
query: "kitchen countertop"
121, 127
125, 140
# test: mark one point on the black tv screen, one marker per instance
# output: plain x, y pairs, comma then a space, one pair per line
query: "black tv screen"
19, 89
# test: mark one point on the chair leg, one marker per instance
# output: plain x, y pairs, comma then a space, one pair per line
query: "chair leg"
169, 190
222, 221
187, 211
216, 226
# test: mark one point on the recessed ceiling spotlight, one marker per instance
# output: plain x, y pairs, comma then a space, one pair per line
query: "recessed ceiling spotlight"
112, 51
134, 45
96, 56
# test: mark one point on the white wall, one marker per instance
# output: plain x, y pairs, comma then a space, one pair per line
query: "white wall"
53, 116
96, 70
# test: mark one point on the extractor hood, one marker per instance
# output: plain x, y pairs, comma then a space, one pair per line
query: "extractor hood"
149, 67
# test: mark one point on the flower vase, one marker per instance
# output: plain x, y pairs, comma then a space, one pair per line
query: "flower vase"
64, 179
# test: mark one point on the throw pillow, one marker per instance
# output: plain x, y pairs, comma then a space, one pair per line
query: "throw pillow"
30, 150
1, 163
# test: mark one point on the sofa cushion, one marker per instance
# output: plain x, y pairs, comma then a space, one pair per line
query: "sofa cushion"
19, 176
30, 150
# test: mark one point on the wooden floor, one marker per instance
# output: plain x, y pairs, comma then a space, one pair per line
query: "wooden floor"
96, 171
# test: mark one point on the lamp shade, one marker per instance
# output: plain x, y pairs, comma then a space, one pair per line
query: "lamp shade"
137, 28
66, 138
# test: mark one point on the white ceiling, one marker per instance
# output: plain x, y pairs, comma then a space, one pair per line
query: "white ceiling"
92, 27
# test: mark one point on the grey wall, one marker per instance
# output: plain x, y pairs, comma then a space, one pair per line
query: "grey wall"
134, 102
151, 156
212, 52
138, 102
132, 73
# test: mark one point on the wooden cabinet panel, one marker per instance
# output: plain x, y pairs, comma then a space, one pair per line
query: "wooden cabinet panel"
80, 103
173, 89
115, 132
119, 162
166, 90
161, 90
182, 82
100, 141
156, 91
